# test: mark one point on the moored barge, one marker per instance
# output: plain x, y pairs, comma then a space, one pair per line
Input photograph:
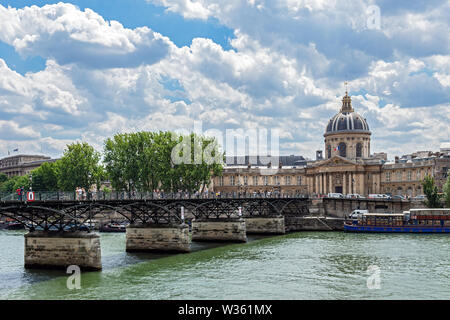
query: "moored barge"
413, 221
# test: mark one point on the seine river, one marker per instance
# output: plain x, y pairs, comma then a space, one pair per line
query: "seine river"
306, 265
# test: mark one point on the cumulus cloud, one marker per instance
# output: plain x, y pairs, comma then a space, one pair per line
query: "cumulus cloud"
10, 130
64, 33
285, 70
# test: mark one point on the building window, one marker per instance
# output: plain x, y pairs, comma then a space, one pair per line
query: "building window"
221, 181
418, 174
255, 180
299, 180
328, 151
288, 180
342, 149
232, 180
388, 176
409, 175
399, 176
277, 182
245, 180
266, 180
358, 150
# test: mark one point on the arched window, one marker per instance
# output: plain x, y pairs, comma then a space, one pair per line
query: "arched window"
342, 149
358, 150
328, 151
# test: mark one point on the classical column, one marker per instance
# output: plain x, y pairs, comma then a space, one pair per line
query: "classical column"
352, 184
361, 184
316, 178
330, 187
320, 183
344, 183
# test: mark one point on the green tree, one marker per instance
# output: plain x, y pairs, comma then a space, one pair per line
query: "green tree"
45, 178
12, 184
431, 192
447, 192
195, 160
79, 167
120, 158
146, 161
3, 177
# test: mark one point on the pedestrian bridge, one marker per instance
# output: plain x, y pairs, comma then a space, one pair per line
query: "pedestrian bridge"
63, 211
60, 225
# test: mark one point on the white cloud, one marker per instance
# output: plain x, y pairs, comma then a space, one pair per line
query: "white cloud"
64, 33
10, 130
285, 70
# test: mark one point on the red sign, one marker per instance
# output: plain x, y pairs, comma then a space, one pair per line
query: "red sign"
30, 196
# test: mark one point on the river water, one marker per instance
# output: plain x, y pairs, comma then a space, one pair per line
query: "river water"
304, 265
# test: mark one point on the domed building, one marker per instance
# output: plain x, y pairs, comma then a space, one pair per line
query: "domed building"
344, 166
348, 166
347, 133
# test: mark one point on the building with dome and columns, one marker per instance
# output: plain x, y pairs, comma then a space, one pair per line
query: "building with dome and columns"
345, 165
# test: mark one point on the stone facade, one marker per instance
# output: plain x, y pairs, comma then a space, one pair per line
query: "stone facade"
226, 229
347, 167
60, 250
158, 238
21, 165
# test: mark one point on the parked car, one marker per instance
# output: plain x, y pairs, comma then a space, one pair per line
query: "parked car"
420, 197
357, 213
354, 196
336, 195
379, 196
398, 197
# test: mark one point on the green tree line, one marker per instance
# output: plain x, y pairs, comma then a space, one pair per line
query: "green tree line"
142, 161
434, 198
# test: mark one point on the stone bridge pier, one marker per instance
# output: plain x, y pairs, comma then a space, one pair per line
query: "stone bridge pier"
158, 238
219, 229
265, 225
58, 250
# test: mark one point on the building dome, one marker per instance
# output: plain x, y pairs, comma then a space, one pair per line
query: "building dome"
347, 120
347, 134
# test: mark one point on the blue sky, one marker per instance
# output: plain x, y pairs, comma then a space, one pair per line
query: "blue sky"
132, 14
85, 70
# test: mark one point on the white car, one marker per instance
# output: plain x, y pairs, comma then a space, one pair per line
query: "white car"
357, 213
379, 196
335, 195
354, 196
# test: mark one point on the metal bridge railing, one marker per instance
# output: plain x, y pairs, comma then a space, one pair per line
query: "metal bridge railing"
136, 195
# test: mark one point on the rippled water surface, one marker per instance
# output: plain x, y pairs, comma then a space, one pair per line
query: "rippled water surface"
306, 265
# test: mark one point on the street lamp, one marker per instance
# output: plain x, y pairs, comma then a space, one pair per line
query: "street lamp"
31, 182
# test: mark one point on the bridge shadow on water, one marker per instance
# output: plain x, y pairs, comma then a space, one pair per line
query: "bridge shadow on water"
15, 279
123, 258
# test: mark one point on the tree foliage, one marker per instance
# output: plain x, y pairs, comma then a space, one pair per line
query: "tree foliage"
79, 167
146, 161
45, 178
14, 183
447, 192
431, 192
141, 161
